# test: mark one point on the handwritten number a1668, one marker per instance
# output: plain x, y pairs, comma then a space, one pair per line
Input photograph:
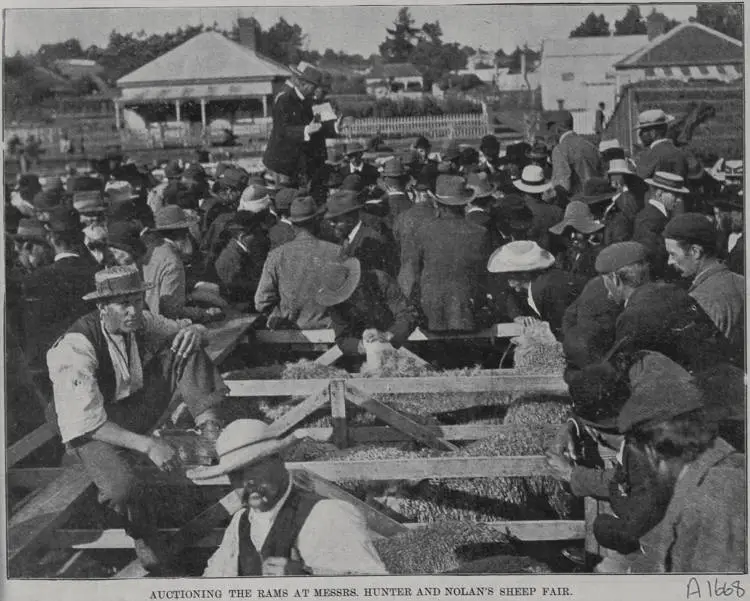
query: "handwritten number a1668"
714, 589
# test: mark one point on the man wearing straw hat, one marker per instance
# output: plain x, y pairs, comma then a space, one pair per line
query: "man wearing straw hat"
114, 373
620, 213
533, 184
661, 154
282, 529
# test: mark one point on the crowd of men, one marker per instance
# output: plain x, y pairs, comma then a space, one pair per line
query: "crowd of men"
637, 264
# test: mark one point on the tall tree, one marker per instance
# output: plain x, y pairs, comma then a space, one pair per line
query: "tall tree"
632, 23
49, 53
726, 18
402, 38
592, 26
284, 42
660, 22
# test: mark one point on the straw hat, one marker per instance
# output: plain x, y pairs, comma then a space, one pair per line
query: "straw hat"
670, 182
620, 167
523, 255
653, 118
90, 201
339, 280
596, 189
117, 281
579, 217
254, 199
532, 180
119, 191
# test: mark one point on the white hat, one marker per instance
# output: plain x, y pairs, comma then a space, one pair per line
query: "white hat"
620, 166
668, 181
523, 255
532, 180
653, 118
254, 199
613, 144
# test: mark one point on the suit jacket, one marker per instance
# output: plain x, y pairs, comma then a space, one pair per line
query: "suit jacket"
291, 278
408, 222
736, 257
239, 269
544, 216
53, 295
281, 233
375, 250
619, 218
380, 305
648, 229
574, 160
703, 529
398, 202
664, 156
369, 173
285, 151
445, 264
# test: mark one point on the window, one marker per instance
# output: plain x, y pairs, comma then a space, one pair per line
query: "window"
397, 86
685, 71
413, 86
650, 72
568, 76
703, 70
721, 69
668, 71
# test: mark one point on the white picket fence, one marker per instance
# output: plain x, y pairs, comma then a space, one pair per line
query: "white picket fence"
469, 125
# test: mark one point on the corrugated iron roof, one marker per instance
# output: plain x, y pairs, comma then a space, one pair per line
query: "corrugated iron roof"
616, 45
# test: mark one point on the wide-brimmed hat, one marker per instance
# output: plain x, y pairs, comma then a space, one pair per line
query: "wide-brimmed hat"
255, 199
46, 200
480, 183
173, 217
245, 221
284, 197
91, 201
579, 217
610, 145
671, 182
119, 191
354, 182
523, 255
538, 151
532, 180
620, 167
233, 177
394, 168
242, 443
451, 190
62, 219
125, 235
338, 282
31, 230
309, 73
355, 148
117, 281
342, 202
303, 209
660, 390
653, 118
514, 212
596, 189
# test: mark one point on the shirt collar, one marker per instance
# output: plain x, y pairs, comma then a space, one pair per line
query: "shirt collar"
353, 233
270, 514
65, 255
707, 272
242, 246
475, 210
284, 220
357, 169
531, 302
567, 133
655, 142
658, 205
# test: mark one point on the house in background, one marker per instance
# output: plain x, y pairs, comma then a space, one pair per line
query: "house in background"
690, 51
394, 79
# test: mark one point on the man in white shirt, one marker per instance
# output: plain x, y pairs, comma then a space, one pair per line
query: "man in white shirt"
113, 375
282, 529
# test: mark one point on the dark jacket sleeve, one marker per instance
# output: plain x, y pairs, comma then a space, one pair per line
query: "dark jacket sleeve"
404, 314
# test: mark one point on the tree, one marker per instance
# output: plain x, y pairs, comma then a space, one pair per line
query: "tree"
49, 53
402, 40
660, 22
593, 26
283, 42
726, 18
632, 23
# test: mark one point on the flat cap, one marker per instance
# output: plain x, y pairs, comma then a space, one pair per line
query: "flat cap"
692, 228
619, 255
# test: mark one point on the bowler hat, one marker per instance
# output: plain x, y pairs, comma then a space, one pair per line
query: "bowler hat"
125, 235
579, 217
692, 228
620, 254
422, 142
532, 180
653, 118
341, 203
46, 200
451, 151
31, 230
83, 183
63, 219
338, 282
355, 148
91, 201
353, 182
659, 390
394, 168
596, 189
117, 281
284, 198
538, 151
233, 177
255, 199
451, 190
172, 217
522, 255
173, 170
480, 183
303, 209
620, 167
671, 182
489, 145
309, 73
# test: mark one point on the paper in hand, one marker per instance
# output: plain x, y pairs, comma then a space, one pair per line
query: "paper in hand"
325, 112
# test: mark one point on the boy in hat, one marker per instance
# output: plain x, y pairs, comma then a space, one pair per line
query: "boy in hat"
574, 159
690, 239
581, 236
291, 273
619, 214
282, 529
113, 375
660, 153
362, 302
393, 180
443, 264
230, 184
173, 174
357, 166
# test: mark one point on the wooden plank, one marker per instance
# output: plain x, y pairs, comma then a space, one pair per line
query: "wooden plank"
501, 380
307, 407
224, 337
330, 357
28, 444
544, 530
397, 420
337, 393
369, 434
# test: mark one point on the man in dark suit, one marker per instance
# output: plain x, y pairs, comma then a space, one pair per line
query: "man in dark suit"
664, 197
356, 165
545, 215
357, 239
661, 154
293, 124
54, 292
444, 263
283, 230
574, 159
731, 241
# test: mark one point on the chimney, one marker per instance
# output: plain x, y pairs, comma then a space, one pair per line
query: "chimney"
654, 27
247, 32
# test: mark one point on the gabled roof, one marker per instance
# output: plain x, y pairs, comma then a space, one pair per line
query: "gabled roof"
208, 56
616, 45
394, 70
686, 44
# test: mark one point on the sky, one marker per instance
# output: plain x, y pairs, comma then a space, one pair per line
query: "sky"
354, 29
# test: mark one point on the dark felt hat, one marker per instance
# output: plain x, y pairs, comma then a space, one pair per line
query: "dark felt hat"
659, 390
83, 183
451, 190
619, 255
31, 230
693, 228
303, 210
353, 182
343, 202
489, 145
63, 219
339, 280
233, 177
598, 393
284, 197
579, 217
172, 217
245, 221
596, 189
29, 181
451, 151
309, 73
422, 142
125, 235
727, 200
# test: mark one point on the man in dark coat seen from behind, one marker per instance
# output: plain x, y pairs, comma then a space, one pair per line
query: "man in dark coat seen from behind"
574, 159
